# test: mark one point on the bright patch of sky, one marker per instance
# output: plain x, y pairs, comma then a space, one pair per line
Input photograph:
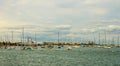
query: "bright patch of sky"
72, 18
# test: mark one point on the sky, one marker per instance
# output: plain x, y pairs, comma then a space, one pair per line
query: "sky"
75, 20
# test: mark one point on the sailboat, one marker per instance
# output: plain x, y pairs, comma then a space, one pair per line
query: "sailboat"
108, 46
76, 46
69, 48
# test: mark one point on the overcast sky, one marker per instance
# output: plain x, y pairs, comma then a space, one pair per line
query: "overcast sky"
74, 19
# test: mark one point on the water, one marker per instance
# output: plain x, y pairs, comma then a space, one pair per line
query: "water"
60, 57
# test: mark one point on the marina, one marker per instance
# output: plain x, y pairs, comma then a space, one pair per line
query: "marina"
59, 32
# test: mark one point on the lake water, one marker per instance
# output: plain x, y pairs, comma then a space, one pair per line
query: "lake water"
84, 56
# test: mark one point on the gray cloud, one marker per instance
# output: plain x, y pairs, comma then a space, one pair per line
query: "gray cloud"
48, 17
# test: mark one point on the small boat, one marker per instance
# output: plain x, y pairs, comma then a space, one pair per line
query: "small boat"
59, 47
107, 47
76, 46
14, 47
69, 48
29, 48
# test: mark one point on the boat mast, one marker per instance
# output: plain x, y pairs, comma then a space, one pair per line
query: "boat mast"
35, 38
22, 39
94, 38
7, 37
12, 36
113, 40
118, 40
1, 38
99, 38
105, 37
58, 37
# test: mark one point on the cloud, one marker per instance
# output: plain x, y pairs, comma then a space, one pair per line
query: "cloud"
69, 17
64, 27
88, 30
111, 29
107, 21
99, 11
108, 28
40, 11
91, 1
